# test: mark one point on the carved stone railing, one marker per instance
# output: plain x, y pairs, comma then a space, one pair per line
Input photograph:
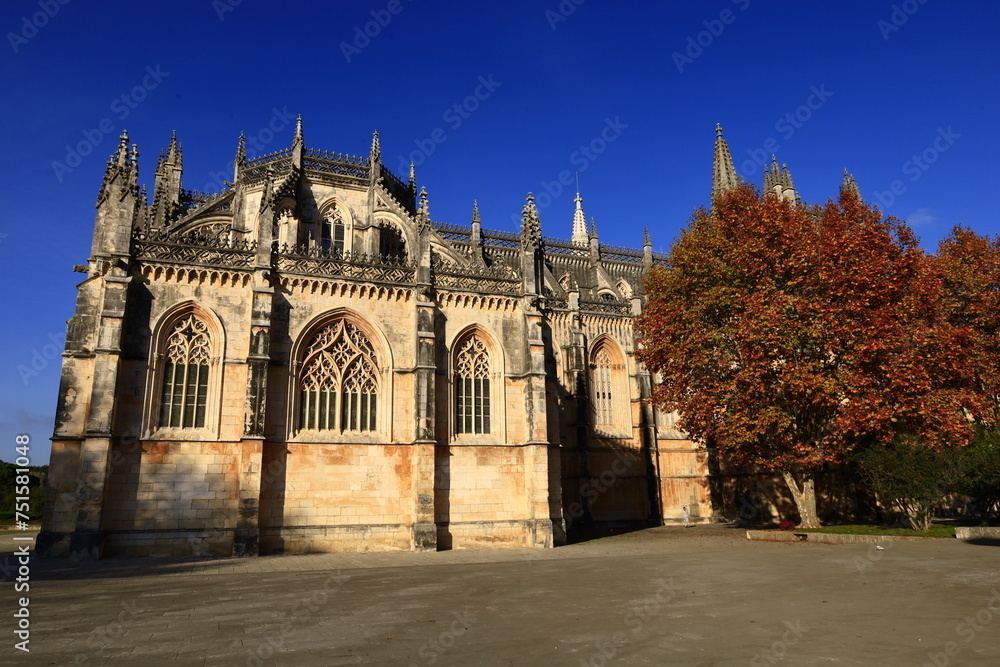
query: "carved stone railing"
503, 239
564, 247
327, 162
621, 308
197, 247
497, 279
313, 261
616, 253
452, 232
257, 172
269, 157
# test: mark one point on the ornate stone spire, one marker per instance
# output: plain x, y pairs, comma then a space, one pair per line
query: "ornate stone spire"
376, 152
645, 237
593, 228
849, 184
298, 144
174, 152
476, 225
413, 178
579, 222
778, 181
531, 226
724, 176
423, 211
241, 158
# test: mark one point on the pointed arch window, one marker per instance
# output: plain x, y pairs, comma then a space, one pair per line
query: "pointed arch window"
184, 387
603, 380
332, 231
339, 381
472, 388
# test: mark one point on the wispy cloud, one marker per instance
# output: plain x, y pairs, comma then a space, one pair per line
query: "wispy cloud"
920, 218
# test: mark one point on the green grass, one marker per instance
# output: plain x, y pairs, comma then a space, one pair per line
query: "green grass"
936, 530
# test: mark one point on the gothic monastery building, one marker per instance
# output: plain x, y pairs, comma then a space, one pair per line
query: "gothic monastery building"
307, 362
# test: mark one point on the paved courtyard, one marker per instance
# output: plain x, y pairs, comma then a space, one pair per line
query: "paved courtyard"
664, 596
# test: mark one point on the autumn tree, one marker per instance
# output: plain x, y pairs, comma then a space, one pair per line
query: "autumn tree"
789, 335
971, 267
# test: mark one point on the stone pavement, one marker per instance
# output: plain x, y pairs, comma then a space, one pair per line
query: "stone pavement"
664, 596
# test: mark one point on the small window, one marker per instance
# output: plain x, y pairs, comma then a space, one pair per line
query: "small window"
332, 231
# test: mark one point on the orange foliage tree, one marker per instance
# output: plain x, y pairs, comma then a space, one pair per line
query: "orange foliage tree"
789, 336
971, 266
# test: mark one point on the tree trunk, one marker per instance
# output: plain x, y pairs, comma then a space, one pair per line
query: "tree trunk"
804, 497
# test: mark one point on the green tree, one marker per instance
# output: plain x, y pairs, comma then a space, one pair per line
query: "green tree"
789, 335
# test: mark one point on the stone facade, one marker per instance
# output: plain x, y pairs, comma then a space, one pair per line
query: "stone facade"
307, 362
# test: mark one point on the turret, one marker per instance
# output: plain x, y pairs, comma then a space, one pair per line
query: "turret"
778, 180
167, 185
117, 204
531, 247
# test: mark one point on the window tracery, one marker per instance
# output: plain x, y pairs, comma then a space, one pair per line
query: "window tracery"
184, 388
339, 387
472, 388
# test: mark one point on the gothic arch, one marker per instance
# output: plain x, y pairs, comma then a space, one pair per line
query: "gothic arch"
185, 373
388, 219
610, 398
477, 395
344, 350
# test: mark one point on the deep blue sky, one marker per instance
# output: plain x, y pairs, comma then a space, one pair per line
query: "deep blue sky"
886, 95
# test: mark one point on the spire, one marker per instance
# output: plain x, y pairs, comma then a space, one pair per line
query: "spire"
724, 173
579, 222
849, 184
423, 211
174, 150
167, 184
593, 228
298, 144
241, 157
476, 225
531, 227
778, 181
413, 177
376, 152
645, 237
121, 155
133, 179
